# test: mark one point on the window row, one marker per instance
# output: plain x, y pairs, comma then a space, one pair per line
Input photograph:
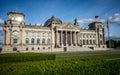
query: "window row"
37, 48
88, 35
90, 42
86, 42
37, 34
27, 41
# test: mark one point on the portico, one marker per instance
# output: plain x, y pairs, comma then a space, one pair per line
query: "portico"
66, 38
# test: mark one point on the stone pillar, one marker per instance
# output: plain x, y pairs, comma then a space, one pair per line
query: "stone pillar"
75, 39
78, 38
11, 39
56, 38
71, 38
61, 38
66, 37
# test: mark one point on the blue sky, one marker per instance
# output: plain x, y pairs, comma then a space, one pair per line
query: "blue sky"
38, 11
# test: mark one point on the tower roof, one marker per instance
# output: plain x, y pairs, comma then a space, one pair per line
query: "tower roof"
15, 13
56, 21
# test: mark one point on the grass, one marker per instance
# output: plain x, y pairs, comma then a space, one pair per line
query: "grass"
25, 57
80, 63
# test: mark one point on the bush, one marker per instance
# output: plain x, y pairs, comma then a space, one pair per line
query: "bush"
62, 67
44, 64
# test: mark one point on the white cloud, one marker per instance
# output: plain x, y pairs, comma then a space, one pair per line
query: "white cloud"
115, 18
1, 21
89, 20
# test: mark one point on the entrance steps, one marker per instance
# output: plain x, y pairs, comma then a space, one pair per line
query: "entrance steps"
77, 48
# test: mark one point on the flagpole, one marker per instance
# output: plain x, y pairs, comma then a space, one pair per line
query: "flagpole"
108, 34
109, 37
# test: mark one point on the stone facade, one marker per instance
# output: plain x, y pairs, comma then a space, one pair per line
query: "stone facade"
54, 36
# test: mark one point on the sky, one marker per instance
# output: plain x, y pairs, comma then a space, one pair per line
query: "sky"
38, 11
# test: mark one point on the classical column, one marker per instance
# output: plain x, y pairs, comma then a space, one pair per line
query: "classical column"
66, 37
75, 38
62, 38
79, 38
71, 38
56, 38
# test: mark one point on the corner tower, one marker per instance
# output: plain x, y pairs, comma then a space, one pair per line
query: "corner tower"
98, 27
13, 30
16, 18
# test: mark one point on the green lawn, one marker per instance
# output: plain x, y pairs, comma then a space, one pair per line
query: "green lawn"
75, 63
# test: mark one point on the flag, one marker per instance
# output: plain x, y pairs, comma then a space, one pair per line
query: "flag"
107, 24
96, 17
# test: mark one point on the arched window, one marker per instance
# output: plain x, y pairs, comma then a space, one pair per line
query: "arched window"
90, 41
27, 40
43, 41
87, 42
32, 41
100, 36
38, 41
83, 42
94, 42
80, 41
100, 41
48, 41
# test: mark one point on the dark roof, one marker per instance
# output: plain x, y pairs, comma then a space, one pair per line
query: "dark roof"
56, 21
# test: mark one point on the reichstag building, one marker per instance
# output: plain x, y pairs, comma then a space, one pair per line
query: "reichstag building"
54, 36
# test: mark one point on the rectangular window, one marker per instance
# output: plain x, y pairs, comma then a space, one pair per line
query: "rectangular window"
15, 41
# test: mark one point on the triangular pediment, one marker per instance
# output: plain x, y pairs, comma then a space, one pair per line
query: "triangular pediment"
70, 26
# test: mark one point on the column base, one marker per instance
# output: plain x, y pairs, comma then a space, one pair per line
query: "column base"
75, 44
62, 45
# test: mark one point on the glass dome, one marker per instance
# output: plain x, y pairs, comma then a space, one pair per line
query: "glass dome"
56, 21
